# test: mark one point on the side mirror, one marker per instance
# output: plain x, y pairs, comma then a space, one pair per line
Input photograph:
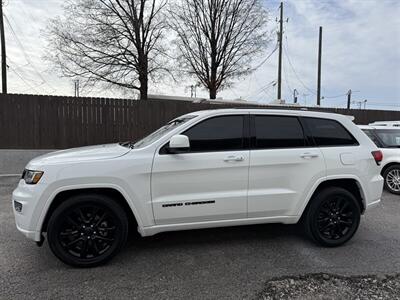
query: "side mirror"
178, 143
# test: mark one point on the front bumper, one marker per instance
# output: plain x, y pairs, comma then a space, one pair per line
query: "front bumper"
26, 220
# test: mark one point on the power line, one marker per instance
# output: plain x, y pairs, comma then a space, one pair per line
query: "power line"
260, 64
27, 58
337, 96
27, 83
294, 71
288, 85
18, 67
264, 89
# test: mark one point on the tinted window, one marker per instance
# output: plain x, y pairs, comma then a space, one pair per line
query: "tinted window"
390, 137
329, 132
278, 132
217, 134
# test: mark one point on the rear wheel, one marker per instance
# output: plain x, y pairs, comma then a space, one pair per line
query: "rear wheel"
332, 217
87, 230
392, 179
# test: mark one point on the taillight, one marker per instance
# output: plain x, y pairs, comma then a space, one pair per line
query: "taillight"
378, 156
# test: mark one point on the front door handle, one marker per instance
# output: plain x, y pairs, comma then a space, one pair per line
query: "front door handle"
309, 155
234, 158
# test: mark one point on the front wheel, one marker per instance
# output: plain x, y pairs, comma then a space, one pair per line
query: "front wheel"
87, 230
392, 179
332, 217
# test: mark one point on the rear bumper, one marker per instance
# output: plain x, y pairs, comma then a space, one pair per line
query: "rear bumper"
374, 192
373, 204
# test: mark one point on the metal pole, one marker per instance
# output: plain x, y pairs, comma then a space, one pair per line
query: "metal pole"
280, 53
3, 52
348, 99
319, 67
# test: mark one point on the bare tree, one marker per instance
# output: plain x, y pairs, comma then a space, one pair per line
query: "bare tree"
218, 39
118, 42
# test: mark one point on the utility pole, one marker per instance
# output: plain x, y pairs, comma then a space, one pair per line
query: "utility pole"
193, 91
348, 99
319, 67
280, 40
3, 52
76, 82
295, 94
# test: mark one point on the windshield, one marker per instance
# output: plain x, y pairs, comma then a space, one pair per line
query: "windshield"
161, 131
389, 137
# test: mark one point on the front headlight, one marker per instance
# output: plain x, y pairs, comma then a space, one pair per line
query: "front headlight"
31, 177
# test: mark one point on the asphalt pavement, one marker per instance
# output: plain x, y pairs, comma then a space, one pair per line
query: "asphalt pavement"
222, 263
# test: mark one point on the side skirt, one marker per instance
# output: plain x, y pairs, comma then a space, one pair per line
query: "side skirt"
152, 230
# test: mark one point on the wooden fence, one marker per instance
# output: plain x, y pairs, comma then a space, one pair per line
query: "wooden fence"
53, 122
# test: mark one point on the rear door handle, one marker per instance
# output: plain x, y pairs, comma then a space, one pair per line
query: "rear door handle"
309, 155
234, 158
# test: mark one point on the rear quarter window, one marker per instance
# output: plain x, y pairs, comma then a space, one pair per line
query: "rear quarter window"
327, 132
372, 136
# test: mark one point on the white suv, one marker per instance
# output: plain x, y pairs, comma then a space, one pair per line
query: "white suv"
387, 138
205, 169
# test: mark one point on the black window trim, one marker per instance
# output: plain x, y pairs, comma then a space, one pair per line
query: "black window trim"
245, 135
253, 139
310, 136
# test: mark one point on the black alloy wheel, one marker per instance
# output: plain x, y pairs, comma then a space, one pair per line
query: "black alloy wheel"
87, 230
333, 217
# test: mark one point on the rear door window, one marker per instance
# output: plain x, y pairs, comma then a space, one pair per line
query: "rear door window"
278, 132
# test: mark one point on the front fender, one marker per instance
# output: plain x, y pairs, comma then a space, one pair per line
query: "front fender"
137, 207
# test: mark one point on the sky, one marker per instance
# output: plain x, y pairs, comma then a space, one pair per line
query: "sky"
361, 52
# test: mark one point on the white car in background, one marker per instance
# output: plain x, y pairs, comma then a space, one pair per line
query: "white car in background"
387, 138
386, 123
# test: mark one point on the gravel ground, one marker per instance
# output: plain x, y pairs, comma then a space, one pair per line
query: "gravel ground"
324, 286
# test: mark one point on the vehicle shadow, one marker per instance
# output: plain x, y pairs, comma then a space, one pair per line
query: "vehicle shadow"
266, 233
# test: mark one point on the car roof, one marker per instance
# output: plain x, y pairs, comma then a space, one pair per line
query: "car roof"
307, 113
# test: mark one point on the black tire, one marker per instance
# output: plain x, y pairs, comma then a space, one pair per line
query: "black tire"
333, 217
87, 230
392, 179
